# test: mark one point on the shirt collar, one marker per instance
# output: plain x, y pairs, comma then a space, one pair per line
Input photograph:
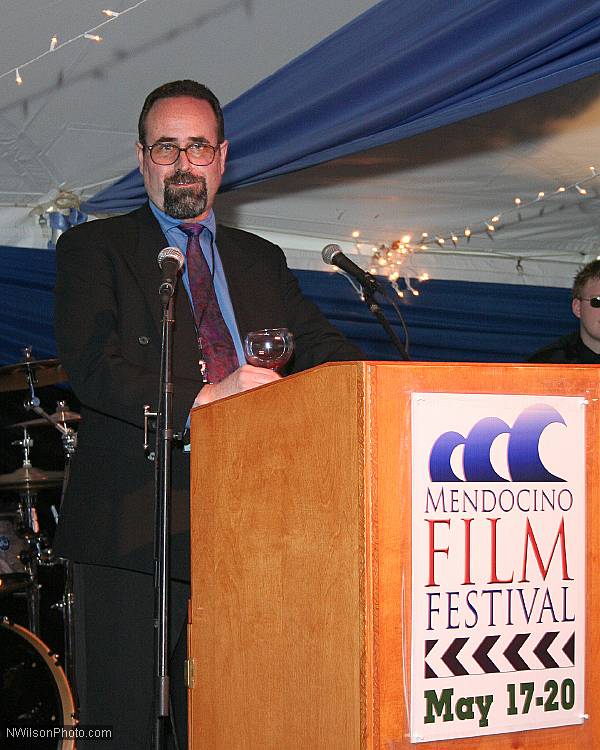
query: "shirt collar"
169, 222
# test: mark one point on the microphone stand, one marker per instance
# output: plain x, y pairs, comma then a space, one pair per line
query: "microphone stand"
162, 465
369, 290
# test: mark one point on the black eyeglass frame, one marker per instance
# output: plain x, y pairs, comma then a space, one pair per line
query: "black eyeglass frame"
179, 149
594, 301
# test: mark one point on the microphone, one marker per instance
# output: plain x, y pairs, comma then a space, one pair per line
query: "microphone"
333, 256
170, 260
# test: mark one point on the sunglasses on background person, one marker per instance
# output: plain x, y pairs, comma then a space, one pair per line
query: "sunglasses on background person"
594, 301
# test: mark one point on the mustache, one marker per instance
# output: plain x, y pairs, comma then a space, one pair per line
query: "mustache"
183, 178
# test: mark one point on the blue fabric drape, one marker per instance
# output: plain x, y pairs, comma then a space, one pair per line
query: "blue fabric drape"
26, 289
401, 68
449, 321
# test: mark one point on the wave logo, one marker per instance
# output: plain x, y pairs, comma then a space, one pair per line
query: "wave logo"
524, 462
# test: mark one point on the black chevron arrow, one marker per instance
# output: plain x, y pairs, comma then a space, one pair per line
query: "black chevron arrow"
481, 654
569, 649
429, 673
541, 650
450, 654
512, 652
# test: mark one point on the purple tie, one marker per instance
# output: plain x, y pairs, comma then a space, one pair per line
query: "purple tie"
215, 342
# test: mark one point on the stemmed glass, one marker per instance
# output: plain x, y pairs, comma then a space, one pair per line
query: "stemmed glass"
271, 347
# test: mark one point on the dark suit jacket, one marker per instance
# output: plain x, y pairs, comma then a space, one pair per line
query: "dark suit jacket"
108, 326
568, 350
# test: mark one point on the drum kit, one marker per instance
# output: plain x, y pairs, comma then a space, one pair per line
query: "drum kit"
37, 688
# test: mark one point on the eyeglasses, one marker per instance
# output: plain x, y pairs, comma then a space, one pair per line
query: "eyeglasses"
200, 154
594, 301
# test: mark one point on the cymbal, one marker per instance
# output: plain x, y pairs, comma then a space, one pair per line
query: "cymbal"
30, 478
47, 372
58, 416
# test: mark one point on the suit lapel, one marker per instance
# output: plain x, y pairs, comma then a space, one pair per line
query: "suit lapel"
141, 257
244, 288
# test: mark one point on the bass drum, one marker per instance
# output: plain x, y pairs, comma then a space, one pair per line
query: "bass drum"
35, 699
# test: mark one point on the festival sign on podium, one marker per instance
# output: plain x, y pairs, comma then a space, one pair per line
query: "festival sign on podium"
498, 591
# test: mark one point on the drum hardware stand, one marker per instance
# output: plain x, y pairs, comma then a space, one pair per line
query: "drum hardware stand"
30, 371
27, 481
66, 604
36, 541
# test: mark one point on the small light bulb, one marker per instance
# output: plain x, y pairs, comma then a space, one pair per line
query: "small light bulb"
406, 238
394, 276
425, 234
424, 277
468, 231
414, 291
561, 189
382, 262
53, 43
593, 171
356, 233
110, 13
517, 201
541, 194
495, 218
490, 227
440, 241
372, 270
454, 240
581, 190
92, 37
423, 247
18, 79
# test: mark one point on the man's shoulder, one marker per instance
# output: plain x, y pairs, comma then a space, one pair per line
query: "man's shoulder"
244, 239
562, 351
107, 228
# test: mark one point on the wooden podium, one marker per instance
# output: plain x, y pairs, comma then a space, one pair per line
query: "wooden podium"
300, 617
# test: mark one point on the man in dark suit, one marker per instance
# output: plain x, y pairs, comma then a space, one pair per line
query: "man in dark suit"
108, 322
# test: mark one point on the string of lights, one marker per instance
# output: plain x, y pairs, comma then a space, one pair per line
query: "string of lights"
391, 259
55, 46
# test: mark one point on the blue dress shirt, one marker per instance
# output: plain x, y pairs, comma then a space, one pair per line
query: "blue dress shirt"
177, 238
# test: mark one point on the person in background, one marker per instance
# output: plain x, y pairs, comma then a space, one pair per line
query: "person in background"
581, 346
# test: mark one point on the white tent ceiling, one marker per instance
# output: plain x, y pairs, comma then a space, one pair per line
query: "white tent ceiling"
72, 122
445, 180
74, 118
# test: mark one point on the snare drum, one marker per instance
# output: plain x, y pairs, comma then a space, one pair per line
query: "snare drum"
34, 693
13, 575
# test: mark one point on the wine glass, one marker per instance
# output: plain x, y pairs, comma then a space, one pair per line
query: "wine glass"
271, 347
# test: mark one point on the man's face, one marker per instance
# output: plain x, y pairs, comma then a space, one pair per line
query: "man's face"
589, 317
182, 189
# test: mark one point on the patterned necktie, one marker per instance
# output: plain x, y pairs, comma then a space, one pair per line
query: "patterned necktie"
215, 342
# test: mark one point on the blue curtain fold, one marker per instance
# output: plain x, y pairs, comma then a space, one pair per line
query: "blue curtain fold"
27, 291
399, 69
449, 321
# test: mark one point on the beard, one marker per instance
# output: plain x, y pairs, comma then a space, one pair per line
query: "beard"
185, 202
